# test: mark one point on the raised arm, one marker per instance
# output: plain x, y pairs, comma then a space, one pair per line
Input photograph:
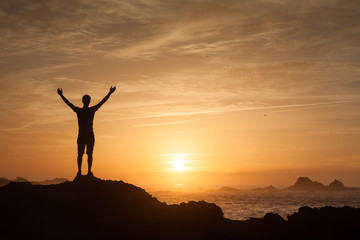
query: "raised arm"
112, 89
59, 91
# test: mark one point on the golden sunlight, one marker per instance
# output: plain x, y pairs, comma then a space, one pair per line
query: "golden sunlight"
178, 161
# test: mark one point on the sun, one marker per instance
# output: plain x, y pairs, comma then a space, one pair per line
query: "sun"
178, 162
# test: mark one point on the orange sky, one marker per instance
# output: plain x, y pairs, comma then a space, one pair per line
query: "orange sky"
248, 92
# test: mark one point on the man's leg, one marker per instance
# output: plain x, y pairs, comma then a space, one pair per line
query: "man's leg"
81, 148
89, 151
90, 160
79, 162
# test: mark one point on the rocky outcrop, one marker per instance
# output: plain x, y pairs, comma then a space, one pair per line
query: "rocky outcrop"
91, 208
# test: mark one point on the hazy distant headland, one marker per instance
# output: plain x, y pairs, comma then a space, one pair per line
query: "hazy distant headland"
91, 208
5, 181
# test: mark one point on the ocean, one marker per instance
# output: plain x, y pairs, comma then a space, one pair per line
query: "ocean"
244, 204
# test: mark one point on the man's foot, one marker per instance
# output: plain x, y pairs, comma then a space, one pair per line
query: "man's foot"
90, 174
78, 176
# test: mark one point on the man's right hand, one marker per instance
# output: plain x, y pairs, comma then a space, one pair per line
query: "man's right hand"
112, 89
59, 91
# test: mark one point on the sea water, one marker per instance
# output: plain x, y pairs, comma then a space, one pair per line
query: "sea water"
244, 204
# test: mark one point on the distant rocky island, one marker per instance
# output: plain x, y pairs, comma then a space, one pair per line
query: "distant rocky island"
269, 188
306, 184
92, 208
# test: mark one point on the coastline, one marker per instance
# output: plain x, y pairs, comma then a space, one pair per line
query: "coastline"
91, 208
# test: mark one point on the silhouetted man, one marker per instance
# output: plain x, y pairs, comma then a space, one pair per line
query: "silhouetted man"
85, 116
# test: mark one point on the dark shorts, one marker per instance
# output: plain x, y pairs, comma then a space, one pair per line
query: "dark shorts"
88, 140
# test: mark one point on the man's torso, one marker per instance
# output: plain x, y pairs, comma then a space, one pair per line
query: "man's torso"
85, 118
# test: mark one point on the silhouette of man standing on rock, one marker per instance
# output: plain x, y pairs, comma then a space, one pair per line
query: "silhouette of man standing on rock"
85, 116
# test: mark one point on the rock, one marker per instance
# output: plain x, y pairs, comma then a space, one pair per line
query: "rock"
306, 184
92, 208
337, 185
325, 223
269, 188
273, 219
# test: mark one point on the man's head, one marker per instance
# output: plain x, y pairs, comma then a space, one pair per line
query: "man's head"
86, 100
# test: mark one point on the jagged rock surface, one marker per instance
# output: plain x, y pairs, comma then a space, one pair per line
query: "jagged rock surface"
91, 208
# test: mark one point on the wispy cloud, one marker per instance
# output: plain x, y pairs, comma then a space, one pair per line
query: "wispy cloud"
163, 123
249, 52
139, 28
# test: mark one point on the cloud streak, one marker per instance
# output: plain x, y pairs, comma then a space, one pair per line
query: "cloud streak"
134, 28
